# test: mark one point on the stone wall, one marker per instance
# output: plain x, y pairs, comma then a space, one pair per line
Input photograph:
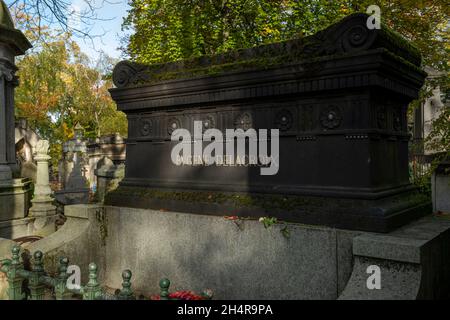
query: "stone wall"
245, 260
236, 262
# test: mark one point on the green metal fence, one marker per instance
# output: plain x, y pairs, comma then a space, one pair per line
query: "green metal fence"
32, 284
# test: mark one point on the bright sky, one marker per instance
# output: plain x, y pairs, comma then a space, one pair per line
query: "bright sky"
110, 17
110, 29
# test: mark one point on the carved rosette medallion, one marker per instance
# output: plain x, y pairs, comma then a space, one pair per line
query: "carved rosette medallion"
381, 118
356, 37
126, 73
243, 121
397, 120
145, 127
173, 124
331, 117
284, 120
208, 122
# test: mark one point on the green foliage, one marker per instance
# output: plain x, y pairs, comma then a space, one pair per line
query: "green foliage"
168, 30
285, 232
60, 88
268, 221
179, 29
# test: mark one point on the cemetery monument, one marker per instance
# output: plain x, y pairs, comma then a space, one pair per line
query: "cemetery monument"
14, 192
338, 100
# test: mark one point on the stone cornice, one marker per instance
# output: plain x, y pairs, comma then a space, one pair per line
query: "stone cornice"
15, 39
350, 35
375, 68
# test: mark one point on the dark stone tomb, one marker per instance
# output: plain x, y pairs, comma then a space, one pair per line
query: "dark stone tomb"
339, 100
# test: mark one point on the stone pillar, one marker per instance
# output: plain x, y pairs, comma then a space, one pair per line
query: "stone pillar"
42, 191
12, 43
14, 193
43, 211
7, 146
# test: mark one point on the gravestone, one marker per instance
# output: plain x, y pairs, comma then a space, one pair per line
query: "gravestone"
72, 171
26, 140
339, 101
111, 146
14, 193
108, 176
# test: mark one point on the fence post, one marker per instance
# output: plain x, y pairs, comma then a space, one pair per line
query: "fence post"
60, 285
92, 290
37, 288
126, 293
164, 286
13, 274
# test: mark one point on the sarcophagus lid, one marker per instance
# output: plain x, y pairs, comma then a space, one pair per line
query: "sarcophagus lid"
311, 130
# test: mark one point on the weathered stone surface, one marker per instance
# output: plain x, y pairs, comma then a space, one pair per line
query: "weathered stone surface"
200, 252
12, 43
78, 239
15, 196
108, 176
14, 193
73, 171
12, 229
399, 281
241, 263
236, 260
42, 210
414, 262
339, 100
440, 187
110, 146
344, 242
25, 140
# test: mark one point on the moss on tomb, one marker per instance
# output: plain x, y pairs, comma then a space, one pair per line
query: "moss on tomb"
323, 44
268, 202
237, 200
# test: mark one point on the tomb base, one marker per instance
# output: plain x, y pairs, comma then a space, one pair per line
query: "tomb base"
42, 208
377, 214
236, 259
15, 195
43, 213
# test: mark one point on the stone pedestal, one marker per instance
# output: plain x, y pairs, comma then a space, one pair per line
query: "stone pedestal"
15, 197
